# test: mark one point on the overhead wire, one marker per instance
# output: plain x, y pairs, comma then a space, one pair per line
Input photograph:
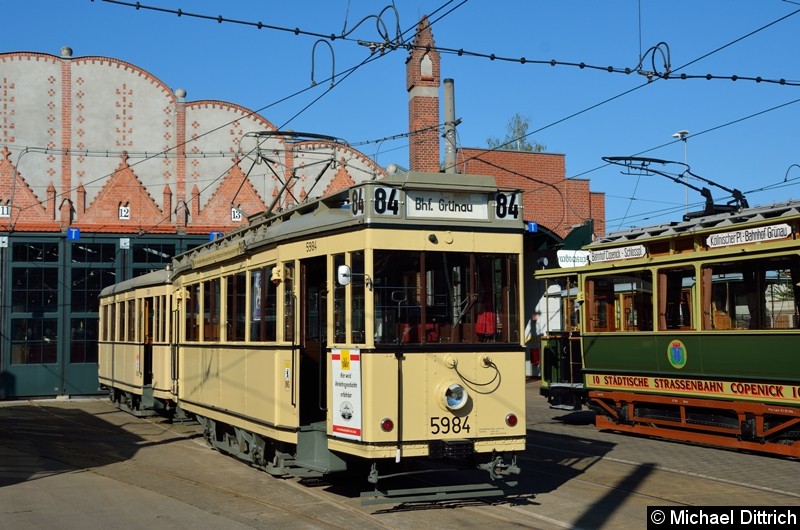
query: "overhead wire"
647, 84
387, 43
459, 52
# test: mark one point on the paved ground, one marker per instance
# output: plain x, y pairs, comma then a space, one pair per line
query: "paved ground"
83, 464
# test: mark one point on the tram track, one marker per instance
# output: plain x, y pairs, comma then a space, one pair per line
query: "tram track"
572, 476
66, 440
61, 448
71, 447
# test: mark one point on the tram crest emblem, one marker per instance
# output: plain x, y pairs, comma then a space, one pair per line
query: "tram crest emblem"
676, 353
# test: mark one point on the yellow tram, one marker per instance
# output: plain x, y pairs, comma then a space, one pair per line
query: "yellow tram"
380, 325
135, 353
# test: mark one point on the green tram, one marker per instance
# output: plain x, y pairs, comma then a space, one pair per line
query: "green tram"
377, 328
688, 330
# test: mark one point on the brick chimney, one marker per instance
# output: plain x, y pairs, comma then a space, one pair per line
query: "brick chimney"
423, 74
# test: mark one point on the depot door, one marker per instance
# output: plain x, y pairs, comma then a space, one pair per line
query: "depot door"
49, 291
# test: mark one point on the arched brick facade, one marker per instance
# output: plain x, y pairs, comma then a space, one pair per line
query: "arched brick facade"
68, 122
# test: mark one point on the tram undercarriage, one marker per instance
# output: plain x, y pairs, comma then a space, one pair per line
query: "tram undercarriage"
737, 425
139, 405
310, 458
495, 464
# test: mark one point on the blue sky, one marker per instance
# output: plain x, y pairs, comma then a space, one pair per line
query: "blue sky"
742, 134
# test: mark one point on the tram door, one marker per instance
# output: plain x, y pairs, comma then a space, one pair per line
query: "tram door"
147, 337
313, 339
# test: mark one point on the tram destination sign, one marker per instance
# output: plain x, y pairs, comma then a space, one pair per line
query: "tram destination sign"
749, 235
444, 205
613, 254
415, 204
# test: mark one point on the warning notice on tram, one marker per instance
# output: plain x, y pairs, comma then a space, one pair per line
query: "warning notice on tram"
346, 384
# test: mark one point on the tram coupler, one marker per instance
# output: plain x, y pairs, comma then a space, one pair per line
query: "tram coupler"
373, 476
497, 468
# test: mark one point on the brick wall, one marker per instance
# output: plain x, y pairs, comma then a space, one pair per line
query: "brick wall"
548, 197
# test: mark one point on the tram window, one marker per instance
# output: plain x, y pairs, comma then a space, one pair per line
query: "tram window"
752, 294
439, 297
236, 292
357, 302
339, 303
620, 302
397, 309
263, 325
120, 334
102, 321
675, 288
163, 311
130, 327
111, 322
357, 291
146, 320
155, 319
558, 309
211, 309
193, 312
288, 302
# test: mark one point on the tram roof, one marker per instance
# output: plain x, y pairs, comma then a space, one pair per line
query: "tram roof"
329, 213
707, 223
158, 277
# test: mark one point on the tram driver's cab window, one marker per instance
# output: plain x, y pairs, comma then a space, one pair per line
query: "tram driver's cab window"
354, 308
751, 294
619, 302
445, 297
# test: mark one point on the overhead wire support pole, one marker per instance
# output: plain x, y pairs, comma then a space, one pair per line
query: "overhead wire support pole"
682, 135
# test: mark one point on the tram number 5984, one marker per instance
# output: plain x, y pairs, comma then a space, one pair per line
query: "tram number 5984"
447, 424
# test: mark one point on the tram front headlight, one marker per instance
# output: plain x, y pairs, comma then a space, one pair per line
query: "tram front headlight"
455, 396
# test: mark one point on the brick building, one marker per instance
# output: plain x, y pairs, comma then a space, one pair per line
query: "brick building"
106, 173
550, 199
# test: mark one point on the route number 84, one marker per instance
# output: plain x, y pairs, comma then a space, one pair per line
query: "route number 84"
447, 424
507, 206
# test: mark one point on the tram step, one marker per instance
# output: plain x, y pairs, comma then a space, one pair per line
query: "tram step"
312, 450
